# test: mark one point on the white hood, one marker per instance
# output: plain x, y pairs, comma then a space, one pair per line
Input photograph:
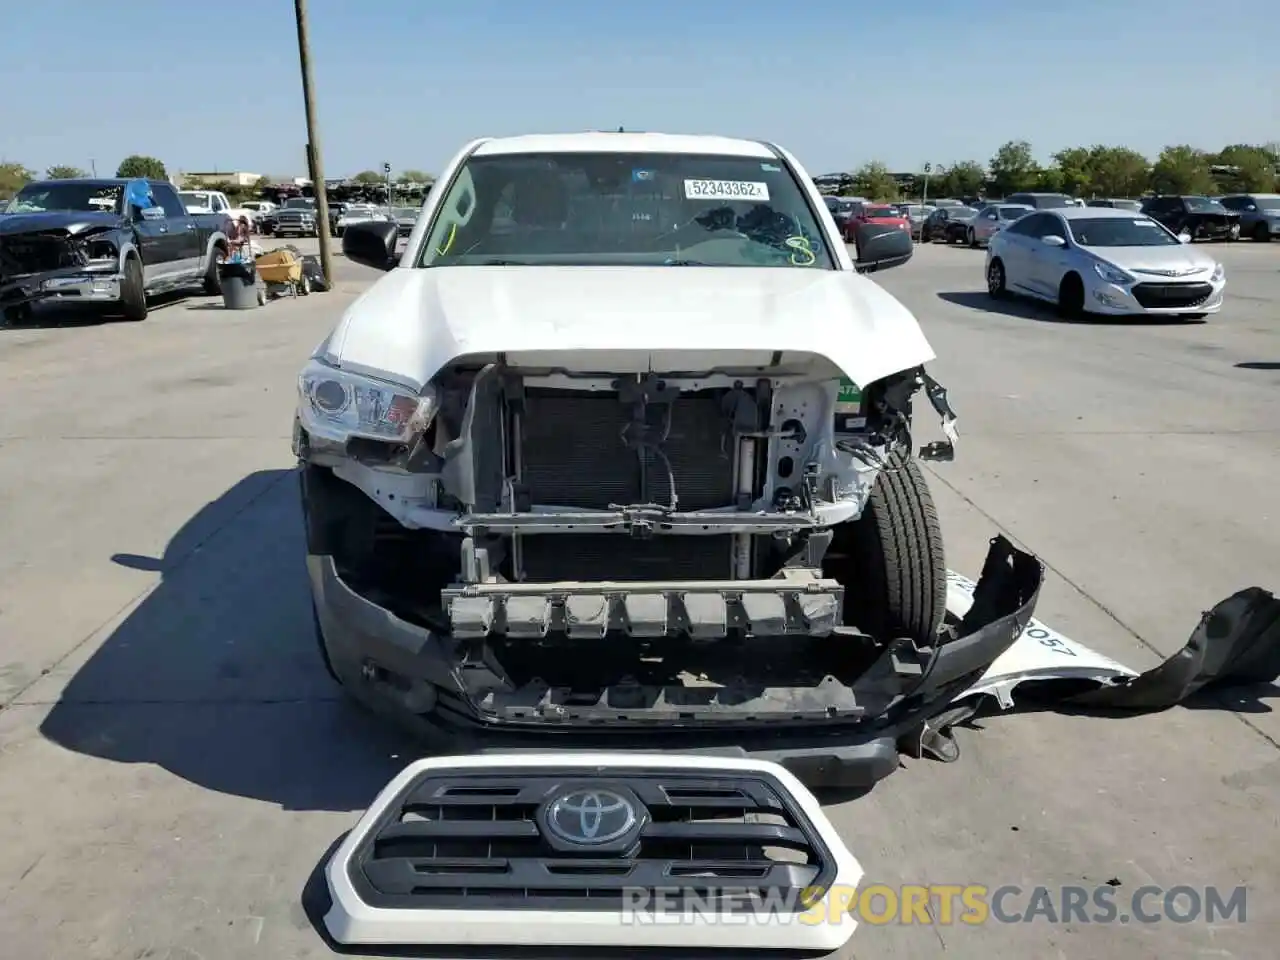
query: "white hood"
1179, 256
413, 322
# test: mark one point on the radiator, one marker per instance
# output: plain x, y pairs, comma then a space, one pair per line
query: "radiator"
573, 454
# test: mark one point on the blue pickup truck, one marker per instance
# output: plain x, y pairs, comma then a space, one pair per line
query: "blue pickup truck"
106, 243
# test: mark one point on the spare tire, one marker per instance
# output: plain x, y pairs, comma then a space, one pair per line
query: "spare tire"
891, 560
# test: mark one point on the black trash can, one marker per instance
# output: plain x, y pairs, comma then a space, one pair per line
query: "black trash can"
239, 286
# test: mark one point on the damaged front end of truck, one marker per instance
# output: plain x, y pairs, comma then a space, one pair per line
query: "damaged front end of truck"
520, 551
59, 256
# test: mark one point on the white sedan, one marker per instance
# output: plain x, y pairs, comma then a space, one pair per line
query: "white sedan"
1097, 260
991, 220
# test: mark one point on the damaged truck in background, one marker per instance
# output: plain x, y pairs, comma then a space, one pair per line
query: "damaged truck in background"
620, 451
108, 244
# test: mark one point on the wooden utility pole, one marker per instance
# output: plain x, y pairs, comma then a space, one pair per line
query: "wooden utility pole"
313, 142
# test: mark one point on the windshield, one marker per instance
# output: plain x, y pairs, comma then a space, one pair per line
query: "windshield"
1121, 232
299, 203
195, 199
844, 206
1204, 205
403, 212
84, 197
1013, 213
961, 213
882, 212
1051, 201
627, 209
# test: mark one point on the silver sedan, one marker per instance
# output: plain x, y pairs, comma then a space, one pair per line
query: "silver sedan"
916, 214
1093, 260
992, 220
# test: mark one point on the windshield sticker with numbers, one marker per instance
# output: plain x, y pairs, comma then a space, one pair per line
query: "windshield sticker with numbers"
726, 190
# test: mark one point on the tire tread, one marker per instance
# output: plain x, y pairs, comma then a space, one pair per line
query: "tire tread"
901, 577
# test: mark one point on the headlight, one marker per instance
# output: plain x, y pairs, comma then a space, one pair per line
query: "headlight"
338, 405
1219, 272
1112, 274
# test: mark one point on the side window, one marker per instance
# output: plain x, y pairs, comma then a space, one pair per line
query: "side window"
1028, 226
168, 198
1053, 227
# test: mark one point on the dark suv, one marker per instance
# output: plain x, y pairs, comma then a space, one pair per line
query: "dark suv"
1041, 201
1199, 217
1259, 214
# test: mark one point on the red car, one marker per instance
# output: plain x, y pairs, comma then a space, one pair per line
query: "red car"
881, 214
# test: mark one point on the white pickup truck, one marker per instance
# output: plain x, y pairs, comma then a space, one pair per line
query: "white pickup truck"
215, 201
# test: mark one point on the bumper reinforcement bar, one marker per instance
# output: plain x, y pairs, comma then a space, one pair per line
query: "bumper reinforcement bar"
801, 602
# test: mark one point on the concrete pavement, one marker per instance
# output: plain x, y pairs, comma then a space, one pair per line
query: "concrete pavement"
174, 763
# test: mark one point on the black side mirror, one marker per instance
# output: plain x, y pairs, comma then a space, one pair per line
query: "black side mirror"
372, 244
881, 247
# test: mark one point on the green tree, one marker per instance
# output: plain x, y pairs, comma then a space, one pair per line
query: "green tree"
138, 165
1074, 171
1255, 168
65, 173
1118, 172
1182, 169
369, 176
875, 182
414, 176
965, 179
1013, 168
1051, 180
12, 178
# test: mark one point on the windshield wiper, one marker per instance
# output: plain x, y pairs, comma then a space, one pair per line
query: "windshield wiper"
684, 263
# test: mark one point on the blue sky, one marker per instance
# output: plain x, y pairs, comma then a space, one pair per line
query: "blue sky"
840, 83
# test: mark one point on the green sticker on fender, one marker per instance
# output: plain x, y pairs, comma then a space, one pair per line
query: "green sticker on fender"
849, 399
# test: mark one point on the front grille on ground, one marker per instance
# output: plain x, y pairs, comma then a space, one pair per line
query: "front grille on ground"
1172, 295
573, 453
483, 841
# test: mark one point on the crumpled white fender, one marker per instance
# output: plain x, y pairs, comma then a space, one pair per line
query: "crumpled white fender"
1040, 653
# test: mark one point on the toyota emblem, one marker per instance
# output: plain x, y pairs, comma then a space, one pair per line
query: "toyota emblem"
589, 817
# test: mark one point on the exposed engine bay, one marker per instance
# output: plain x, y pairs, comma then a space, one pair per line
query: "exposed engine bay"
693, 520
29, 259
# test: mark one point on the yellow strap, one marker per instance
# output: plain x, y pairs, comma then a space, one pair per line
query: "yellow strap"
448, 244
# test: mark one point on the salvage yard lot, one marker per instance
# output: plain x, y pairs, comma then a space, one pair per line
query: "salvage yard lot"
174, 763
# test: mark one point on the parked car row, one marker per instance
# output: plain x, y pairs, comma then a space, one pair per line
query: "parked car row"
946, 220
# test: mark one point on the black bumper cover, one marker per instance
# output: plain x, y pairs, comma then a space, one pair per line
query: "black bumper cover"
415, 676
